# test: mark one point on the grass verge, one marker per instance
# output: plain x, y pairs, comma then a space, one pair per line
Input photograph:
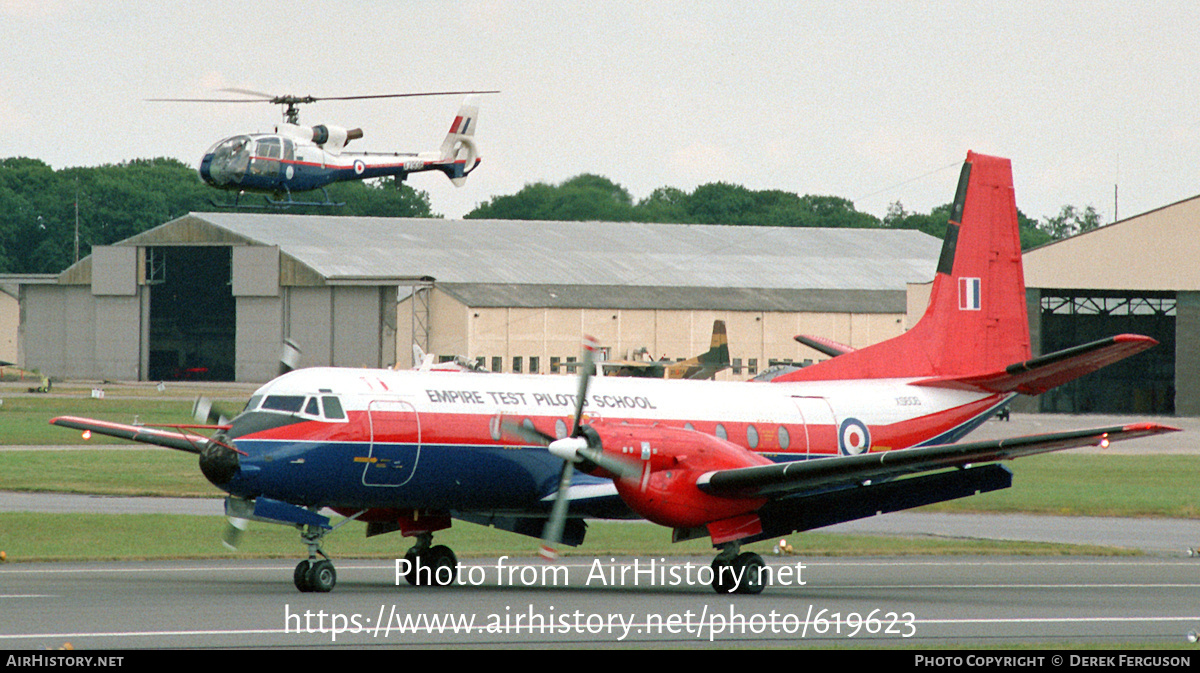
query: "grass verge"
27, 536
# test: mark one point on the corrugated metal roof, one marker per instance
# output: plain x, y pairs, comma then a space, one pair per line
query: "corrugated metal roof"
478, 295
592, 253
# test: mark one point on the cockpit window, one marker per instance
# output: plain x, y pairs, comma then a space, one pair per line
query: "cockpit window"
253, 403
312, 407
230, 159
333, 408
288, 403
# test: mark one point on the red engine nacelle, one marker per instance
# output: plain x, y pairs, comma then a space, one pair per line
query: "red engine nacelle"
672, 459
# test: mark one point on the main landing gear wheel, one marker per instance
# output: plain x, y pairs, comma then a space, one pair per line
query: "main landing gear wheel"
741, 575
315, 576
430, 566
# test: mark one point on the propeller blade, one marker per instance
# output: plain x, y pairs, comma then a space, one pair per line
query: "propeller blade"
289, 356
207, 413
622, 467
531, 435
552, 533
585, 376
233, 533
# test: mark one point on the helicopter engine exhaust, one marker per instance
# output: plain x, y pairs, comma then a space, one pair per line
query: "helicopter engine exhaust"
333, 138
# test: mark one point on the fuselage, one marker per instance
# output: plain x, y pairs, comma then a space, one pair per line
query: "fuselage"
356, 438
277, 163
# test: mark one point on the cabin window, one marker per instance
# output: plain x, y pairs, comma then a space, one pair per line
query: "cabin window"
560, 429
266, 157
752, 436
784, 438
721, 432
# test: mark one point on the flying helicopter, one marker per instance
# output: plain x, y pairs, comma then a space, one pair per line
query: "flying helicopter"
296, 158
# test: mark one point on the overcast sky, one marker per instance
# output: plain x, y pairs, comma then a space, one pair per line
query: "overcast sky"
875, 102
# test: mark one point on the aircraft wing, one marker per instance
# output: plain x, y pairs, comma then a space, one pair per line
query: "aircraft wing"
826, 473
171, 439
1042, 373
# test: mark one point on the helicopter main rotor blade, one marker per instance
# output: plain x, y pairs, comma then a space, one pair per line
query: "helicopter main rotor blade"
260, 97
406, 95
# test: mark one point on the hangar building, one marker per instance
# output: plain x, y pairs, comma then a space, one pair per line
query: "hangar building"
215, 295
1139, 276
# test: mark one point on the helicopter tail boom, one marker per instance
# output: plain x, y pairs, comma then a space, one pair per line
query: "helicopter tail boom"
459, 153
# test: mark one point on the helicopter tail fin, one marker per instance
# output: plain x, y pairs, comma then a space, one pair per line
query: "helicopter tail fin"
459, 154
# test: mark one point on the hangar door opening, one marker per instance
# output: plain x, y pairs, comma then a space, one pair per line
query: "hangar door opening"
192, 313
1144, 383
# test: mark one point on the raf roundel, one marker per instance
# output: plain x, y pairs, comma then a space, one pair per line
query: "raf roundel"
853, 437
359, 167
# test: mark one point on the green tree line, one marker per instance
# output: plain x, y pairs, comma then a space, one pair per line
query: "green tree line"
38, 207
592, 197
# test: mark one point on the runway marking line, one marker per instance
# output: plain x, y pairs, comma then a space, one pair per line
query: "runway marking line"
242, 632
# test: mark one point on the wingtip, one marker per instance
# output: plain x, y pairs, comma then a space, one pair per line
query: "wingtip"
1150, 428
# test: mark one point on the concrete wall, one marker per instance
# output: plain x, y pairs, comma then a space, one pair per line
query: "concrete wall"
1153, 251
67, 331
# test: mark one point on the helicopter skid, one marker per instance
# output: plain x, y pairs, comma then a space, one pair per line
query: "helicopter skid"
278, 203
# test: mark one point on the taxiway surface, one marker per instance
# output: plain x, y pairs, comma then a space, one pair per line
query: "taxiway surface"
605, 601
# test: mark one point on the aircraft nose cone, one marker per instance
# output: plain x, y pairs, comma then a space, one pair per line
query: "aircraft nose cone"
218, 463
205, 169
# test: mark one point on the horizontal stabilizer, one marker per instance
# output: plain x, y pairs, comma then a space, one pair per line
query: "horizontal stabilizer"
823, 345
138, 433
806, 476
1044, 372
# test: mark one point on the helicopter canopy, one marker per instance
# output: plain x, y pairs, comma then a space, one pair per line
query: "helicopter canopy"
232, 158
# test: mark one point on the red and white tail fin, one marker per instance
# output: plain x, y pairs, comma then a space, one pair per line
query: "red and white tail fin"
976, 321
458, 149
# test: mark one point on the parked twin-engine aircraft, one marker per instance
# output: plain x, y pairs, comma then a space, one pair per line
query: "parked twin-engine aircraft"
411, 451
299, 158
703, 366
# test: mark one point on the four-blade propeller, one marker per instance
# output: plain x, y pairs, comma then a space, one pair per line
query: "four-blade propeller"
576, 447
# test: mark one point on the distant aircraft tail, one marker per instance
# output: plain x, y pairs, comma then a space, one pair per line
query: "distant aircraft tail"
975, 330
707, 364
459, 153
